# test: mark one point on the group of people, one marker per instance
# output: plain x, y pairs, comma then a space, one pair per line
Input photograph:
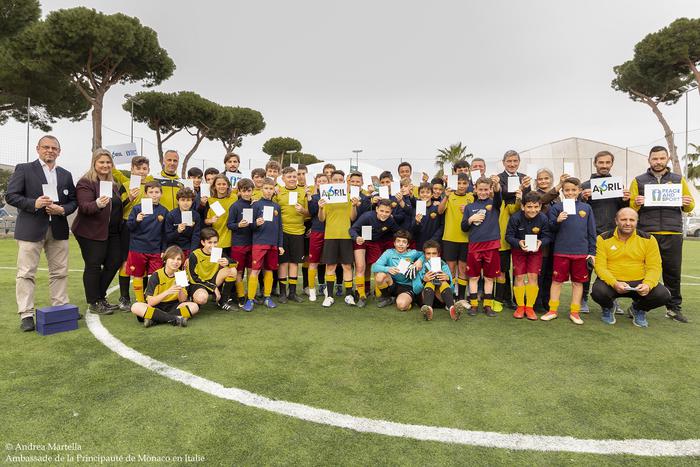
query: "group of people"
445, 243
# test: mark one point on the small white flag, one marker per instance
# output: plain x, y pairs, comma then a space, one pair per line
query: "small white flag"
248, 215
146, 206
293, 198
187, 217
105, 188
435, 264
50, 190
181, 279
421, 207
215, 254
367, 232
268, 213
217, 208
570, 206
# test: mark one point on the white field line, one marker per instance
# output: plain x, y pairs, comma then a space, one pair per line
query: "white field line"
517, 441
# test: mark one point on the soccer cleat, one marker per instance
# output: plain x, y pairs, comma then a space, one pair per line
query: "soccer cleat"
428, 312
249, 305
497, 306
584, 307
124, 304
550, 315
384, 301
607, 315
488, 311
455, 312
460, 307
241, 302
361, 302
618, 308
530, 313
350, 300
180, 321
519, 312
328, 302
676, 315
108, 306
312, 295
339, 290
228, 305
269, 303
575, 318
27, 324
147, 323
321, 289
639, 318
283, 299
98, 309
295, 298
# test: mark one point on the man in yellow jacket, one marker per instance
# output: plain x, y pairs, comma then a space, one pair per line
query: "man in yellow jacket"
628, 264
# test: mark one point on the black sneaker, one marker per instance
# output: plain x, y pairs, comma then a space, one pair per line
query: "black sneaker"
295, 298
108, 306
180, 321
384, 301
488, 311
98, 309
27, 324
125, 304
676, 315
282, 299
228, 305
361, 302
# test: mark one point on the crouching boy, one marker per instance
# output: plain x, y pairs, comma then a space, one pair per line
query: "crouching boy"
394, 272
207, 276
435, 283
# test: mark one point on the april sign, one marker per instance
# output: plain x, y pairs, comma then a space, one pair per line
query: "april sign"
606, 187
334, 192
664, 194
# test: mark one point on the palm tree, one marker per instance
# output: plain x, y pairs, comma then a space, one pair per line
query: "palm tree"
693, 164
452, 154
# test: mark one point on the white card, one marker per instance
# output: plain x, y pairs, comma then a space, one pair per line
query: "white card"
367, 232
513, 183
416, 179
435, 264
50, 190
395, 188
531, 242
147, 205
248, 215
475, 175
187, 217
384, 192
217, 208
355, 192
664, 194
294, 166
607, 187
403, 265
134, 181
569, 169
205, 189
293, 198
570, 206
452, 182
421, 207
181, 278
188, 183
105, 189
215, 254
268, 213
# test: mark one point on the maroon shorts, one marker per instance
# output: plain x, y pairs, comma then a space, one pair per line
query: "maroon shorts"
526, 262
356, 247
374, 251
265, 257
570, 265
242, 254
488, 261
138, 264
315, 246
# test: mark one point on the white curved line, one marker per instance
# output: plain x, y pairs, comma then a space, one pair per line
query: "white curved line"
640, 447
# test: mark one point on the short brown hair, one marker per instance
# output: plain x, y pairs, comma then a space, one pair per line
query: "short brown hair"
152, 184
273, 165
185, 193
268, 181
258, 173
230, 155
172, 252
245, 184
288, 170
603, 154
139, 161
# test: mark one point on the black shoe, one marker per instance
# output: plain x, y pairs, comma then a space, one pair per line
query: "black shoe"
125, 304
282, 299
295, 298
98, 309
180, 321
676, 315
473, 311
361, 302
488, 311
108, 306
228, 305
384, 301
27, 324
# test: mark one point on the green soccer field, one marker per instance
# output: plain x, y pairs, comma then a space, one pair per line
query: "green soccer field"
486, 374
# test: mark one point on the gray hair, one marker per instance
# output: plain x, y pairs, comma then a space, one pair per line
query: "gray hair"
510, 153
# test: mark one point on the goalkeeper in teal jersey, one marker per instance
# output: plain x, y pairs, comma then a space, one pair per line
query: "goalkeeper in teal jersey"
394, 272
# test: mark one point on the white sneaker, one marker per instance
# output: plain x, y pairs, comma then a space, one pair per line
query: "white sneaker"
312, 295
328, 301
350, 300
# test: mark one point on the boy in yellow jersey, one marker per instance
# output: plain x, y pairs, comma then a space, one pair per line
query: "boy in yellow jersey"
337, 247
206, 276
131, 196
220, 200
454, 239
258, 176
166, 302
292, 201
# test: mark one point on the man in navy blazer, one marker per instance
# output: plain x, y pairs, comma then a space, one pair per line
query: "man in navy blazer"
41, 225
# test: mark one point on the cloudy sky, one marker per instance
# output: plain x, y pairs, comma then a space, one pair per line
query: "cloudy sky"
396, 79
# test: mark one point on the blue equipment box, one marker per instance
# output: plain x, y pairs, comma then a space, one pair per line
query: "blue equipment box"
54, 319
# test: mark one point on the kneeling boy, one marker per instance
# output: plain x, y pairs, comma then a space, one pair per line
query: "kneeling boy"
394, 272
206, 276
432, 284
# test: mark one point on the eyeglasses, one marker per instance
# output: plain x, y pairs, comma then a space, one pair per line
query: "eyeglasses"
50, 148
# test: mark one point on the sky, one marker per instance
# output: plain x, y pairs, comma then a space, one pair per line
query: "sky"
397, 80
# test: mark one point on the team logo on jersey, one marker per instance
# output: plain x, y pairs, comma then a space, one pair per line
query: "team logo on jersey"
393, 204
535, 230
582, 213
276, 213
160, 218
384, 228
489, 207
433, 215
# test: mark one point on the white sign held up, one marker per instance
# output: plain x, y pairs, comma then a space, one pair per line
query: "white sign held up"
123, 153
663, 194
607, 187
334, 193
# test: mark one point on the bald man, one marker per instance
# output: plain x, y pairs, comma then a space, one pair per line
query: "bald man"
628, 264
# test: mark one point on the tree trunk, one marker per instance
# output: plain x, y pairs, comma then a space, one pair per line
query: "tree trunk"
668, 134
190, 153
97, 121
159, 142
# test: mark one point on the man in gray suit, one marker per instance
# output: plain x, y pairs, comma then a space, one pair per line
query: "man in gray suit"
41, 225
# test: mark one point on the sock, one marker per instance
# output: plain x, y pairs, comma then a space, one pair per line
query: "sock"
184, 311
138, 289
499, 289
429, 294
553, 305
305, 274
531, 292
575, 307
446, 294
377, 291
368, 277
330, 283
227, 288
261, 282
474, 300
124, 282
252, 287
348, 287
488, 299
383, 290
240, 288
461, 287
268, 279
292, 285
519, 291
157, 315
283, 285
360, 285
275, 281
321, 273
312, 278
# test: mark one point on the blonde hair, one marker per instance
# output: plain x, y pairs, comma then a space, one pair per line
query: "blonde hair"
91, 174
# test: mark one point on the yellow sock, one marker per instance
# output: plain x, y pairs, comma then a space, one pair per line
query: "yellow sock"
149, 312
138, 290
443, 286
531, 292
360, 284
575, 307
430, 285
312, 278
519, 292
240, 288
267, 283
461, 281
488, 302
474, 302
184, 311
252, 287
553, 305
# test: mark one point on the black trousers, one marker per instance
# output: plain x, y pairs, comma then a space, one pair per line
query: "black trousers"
604, 295
671, 247
544, 281
504, 291
102, 261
